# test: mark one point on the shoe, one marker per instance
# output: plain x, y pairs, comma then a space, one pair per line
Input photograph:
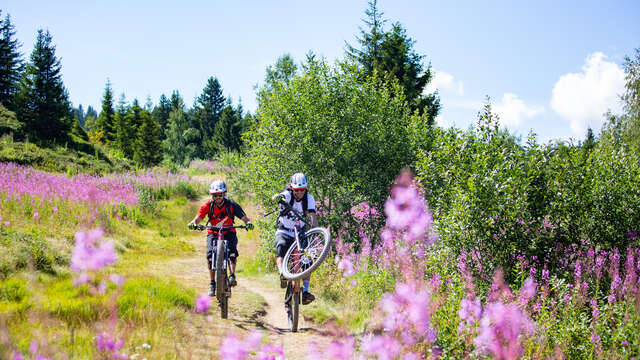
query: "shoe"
212, 289
232, 280
307, 298
283, 282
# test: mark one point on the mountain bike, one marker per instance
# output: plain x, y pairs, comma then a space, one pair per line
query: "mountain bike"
220, 263
306, 253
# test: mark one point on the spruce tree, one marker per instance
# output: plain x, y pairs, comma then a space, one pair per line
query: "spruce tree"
148, 145
90, 112
369, 54
401, 62
131, 124
177, 147
390, 54
106, 121
42, 102
161, 114
207, 110
11, 63
124, 138
226, 137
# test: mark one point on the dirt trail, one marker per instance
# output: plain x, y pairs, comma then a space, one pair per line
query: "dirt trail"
245, 313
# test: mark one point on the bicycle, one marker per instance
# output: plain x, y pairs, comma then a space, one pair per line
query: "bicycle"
219, 263
307, 252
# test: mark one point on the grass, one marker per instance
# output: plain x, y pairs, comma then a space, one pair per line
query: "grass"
155, 306
73, 157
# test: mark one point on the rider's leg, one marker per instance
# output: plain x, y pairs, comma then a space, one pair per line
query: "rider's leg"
307, 296
232, 243
283, 242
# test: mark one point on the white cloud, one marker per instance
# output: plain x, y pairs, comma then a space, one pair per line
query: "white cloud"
513, 111
582, 98
444, 82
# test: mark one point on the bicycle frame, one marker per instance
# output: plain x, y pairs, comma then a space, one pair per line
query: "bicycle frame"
225, 249
219, 265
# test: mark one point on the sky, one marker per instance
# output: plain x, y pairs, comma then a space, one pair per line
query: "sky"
549, 67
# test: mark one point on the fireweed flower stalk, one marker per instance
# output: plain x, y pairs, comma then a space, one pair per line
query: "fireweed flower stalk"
90, 255
501, 329
407, 234
234, 348
109, 347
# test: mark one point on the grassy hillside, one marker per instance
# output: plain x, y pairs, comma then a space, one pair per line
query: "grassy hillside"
76, 156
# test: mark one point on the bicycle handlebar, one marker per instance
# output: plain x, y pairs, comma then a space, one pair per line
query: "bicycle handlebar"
292, 210
219, 228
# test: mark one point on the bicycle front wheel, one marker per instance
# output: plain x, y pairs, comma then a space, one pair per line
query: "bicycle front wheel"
221, 273
299, 264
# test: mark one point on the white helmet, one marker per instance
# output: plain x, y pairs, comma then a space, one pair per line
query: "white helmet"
217, 186
298, 181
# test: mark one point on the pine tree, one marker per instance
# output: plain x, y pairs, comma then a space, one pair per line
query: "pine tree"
161, 114
369, 55
124, 138
106, 120
206, 113
226, 136
11, 63
90, 112
176, 101
148, 145
79, 114
401, 62
177, 146
42, 102
390, 54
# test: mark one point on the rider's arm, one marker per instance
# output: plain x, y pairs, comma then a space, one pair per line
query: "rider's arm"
313, 217
202, 213
311, 210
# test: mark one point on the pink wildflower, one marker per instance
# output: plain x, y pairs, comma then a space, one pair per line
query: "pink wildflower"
500, 329
203, 302
89, 255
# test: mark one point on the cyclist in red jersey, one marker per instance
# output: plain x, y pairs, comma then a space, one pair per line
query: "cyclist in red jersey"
221, 211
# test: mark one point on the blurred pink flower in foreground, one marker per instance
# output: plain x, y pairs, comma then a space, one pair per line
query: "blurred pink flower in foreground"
234, 348
89, 254
501, 328
203, 302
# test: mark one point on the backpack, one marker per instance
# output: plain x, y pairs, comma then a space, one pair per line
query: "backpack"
228, 210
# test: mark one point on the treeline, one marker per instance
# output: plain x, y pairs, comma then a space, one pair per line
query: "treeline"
35, 106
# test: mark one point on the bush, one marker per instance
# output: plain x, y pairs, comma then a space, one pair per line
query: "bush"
14, 297
509, 205
350, 134
21, 250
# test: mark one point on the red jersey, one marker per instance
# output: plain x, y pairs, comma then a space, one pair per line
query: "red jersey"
228, 211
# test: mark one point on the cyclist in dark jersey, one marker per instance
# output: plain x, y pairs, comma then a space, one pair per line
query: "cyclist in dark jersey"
221, 211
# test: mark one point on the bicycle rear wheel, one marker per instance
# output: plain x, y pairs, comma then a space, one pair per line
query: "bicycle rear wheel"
292, 303
318, 245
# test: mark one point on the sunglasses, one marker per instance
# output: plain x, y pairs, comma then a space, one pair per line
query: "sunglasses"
218, 195
299, 190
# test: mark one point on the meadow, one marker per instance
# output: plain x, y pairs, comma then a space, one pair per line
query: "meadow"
72, 286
